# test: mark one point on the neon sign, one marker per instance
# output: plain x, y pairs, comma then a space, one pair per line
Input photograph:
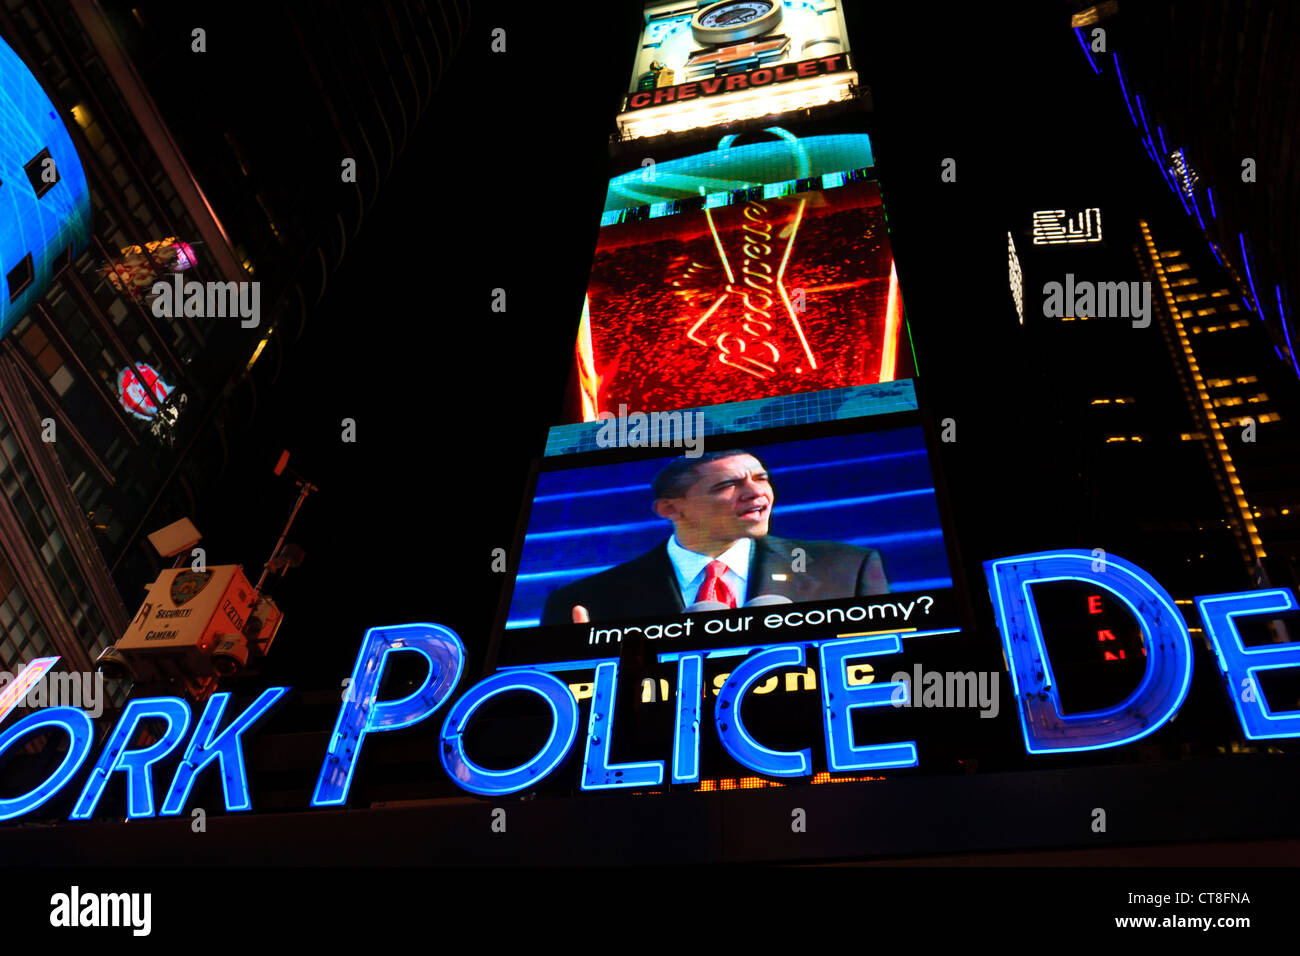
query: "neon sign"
771, 296
755, 79
1051, 228
1046, 729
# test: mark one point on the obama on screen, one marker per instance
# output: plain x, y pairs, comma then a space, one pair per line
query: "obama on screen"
720, 505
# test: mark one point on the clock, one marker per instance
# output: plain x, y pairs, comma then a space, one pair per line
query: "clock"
733, 20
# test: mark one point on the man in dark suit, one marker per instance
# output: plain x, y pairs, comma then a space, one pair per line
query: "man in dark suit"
720, 505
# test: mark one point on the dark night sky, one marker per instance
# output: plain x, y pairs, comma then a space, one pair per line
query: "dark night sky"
502, 186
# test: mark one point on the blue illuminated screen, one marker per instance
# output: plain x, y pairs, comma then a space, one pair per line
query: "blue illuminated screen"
871, 490
44, 199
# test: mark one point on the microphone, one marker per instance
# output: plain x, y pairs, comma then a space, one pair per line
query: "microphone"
700, 606
762, 600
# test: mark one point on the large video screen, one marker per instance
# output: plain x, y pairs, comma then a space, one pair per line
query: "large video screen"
817, 519
700, 66
829, 532
765, 297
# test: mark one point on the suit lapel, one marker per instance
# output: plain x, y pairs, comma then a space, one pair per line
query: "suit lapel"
663, 582
770, 571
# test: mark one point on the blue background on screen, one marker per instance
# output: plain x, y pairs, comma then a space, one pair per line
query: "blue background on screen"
872, 490
40, 226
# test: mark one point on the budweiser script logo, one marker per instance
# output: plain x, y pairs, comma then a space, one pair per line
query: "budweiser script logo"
746, 321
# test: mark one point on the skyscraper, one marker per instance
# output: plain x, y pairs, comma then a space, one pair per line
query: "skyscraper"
120, 407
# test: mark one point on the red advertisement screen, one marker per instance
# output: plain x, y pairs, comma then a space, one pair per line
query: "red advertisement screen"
749, 300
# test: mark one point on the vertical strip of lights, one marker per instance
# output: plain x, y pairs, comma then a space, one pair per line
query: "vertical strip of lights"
1250, 279
1248, 538
1123, 88
893, 315
588, 382
1286, 329
1087, 51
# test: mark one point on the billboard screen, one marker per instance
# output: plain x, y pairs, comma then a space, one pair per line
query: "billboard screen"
827, 518
769, 296
699, 66
823, 532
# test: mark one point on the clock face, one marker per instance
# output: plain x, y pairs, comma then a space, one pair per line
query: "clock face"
734, 14
734, 20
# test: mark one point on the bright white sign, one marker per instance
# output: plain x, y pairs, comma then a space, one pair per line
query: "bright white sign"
1052, 228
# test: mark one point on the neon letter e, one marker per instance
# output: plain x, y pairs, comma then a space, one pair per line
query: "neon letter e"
1241, 664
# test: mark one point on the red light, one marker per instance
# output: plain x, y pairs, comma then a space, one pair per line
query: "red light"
1105, 636
1094, 604
743, 301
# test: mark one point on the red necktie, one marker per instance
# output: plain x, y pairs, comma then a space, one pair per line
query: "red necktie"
714, 587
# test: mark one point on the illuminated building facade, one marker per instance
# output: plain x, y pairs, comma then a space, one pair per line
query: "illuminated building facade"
1101, 408
1215, 86
1200, 409
119, 412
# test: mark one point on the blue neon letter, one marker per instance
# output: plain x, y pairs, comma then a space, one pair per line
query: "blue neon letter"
136, 763
1168, 645
597, 773
839, 700
686, 730
361, 713
228, 749
81, 733
731, 730
1240, 663
564, 728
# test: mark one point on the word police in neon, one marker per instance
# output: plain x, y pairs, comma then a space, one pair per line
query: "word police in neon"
1046, 728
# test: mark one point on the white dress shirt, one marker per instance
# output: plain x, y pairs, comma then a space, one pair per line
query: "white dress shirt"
691, 568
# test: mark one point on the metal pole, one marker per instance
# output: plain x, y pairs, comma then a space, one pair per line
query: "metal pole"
307, 488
